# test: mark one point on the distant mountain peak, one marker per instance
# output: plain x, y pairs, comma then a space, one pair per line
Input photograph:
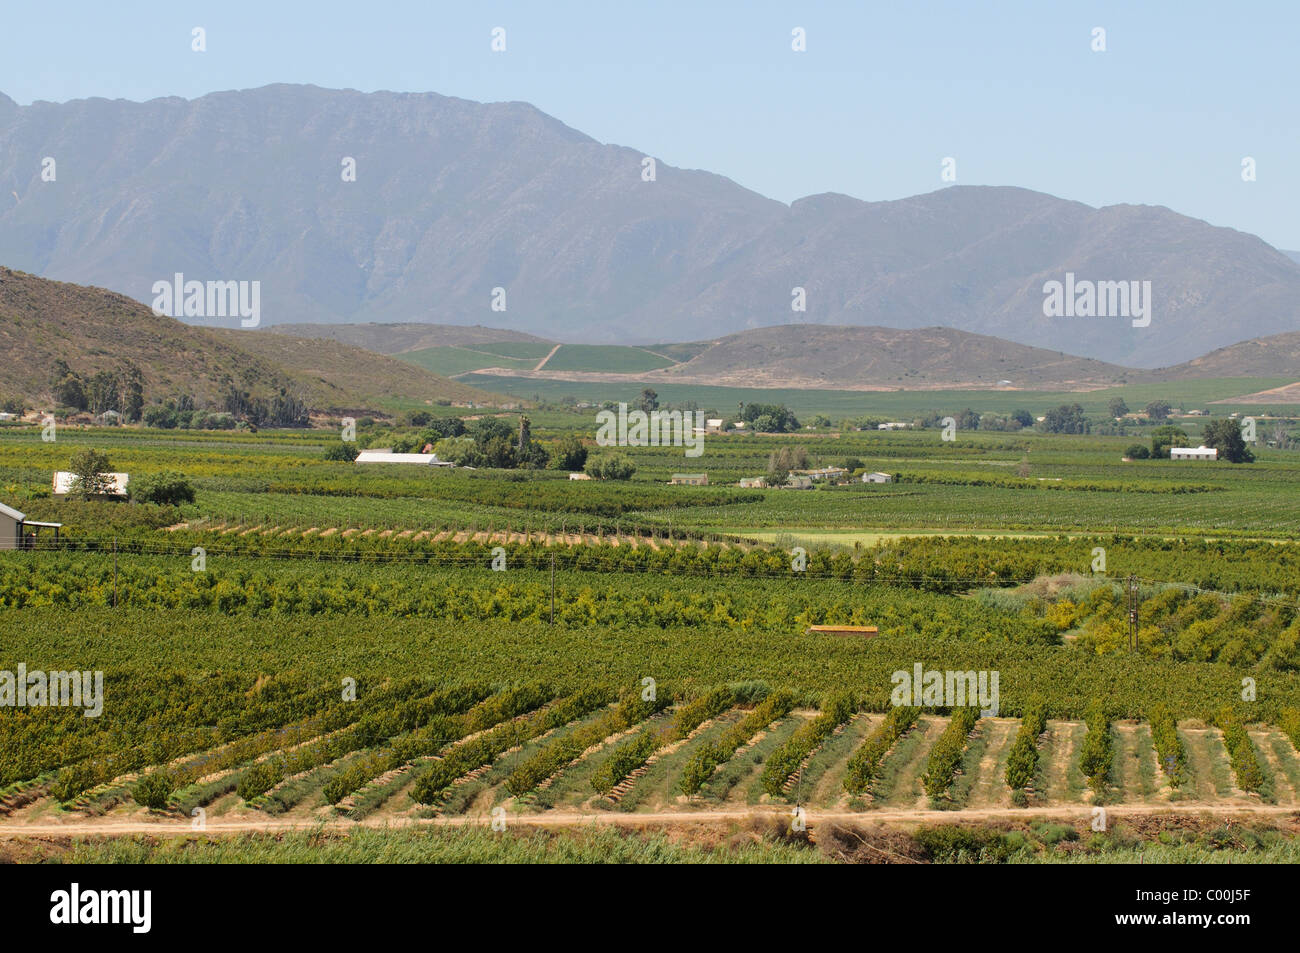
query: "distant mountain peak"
453, 199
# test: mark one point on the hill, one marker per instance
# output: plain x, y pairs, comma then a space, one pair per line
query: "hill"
94, 330
1275, 356
583, 247
851, 358
407, 336
341, 376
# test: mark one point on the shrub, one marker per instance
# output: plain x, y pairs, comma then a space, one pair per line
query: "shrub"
153, 789
341, 452
167, 489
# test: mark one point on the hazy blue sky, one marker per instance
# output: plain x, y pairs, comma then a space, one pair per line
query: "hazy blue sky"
884, 92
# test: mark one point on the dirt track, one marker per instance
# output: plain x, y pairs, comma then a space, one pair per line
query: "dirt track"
180, 826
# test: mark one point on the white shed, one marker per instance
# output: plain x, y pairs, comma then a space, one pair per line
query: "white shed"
1193, 453
877, 478
383, 456
17, 531
11, 527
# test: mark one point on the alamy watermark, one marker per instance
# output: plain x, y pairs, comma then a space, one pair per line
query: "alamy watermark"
1098, 299
38, 689
179, 298
945, 689
657, 428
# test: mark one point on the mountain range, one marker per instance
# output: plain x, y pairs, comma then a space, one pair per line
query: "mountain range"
458, 207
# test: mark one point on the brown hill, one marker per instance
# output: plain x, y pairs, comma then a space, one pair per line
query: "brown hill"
854, 358
400, 337
92, 330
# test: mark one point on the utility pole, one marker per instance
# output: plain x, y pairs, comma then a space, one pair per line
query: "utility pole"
1132, 613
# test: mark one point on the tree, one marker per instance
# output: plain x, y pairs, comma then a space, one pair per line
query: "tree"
1225, 436
1023, 417
782, 461
132, 392
90, 469
570, 453
968, 420
1158, 410
821, 421
167, 489
648, 400
1068, 418
67, 387
1117, 407
1137, 452
1162, 438
611, 466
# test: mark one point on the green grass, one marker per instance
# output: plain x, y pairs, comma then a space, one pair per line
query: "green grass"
894, 405
450, 361
468, 845
607, 358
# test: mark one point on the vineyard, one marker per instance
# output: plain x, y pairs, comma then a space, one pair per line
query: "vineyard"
410, 750
309, 642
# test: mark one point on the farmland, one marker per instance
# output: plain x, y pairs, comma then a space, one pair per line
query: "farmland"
382, 647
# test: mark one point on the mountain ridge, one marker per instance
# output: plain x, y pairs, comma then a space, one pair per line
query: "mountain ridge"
454, 199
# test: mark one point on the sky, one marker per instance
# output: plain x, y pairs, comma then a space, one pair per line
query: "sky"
884, 92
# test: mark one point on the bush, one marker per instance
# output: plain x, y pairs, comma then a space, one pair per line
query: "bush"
152, 790
341, 452
1138, 451
167, 489
612, 466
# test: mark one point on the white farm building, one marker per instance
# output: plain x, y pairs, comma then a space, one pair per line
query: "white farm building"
384, 456
1193, 453
117, 482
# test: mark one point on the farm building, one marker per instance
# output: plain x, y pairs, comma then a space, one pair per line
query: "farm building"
579, 476
893, 425
690, 479
63, 480
17, 532
384, 456
1193, 453
799, 482
713, 425
753, 483
824, 473
877, 478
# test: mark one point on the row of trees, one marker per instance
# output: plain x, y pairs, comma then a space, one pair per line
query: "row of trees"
121, 390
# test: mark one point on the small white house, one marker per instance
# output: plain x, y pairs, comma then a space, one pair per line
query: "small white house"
893, 425
384, 456
63, 481
713, 425
1193, 453
753, 483
579, 476
877, 478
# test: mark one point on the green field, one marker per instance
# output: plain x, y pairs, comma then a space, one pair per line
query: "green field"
895, 404
607, 358
450, 361
499, 626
